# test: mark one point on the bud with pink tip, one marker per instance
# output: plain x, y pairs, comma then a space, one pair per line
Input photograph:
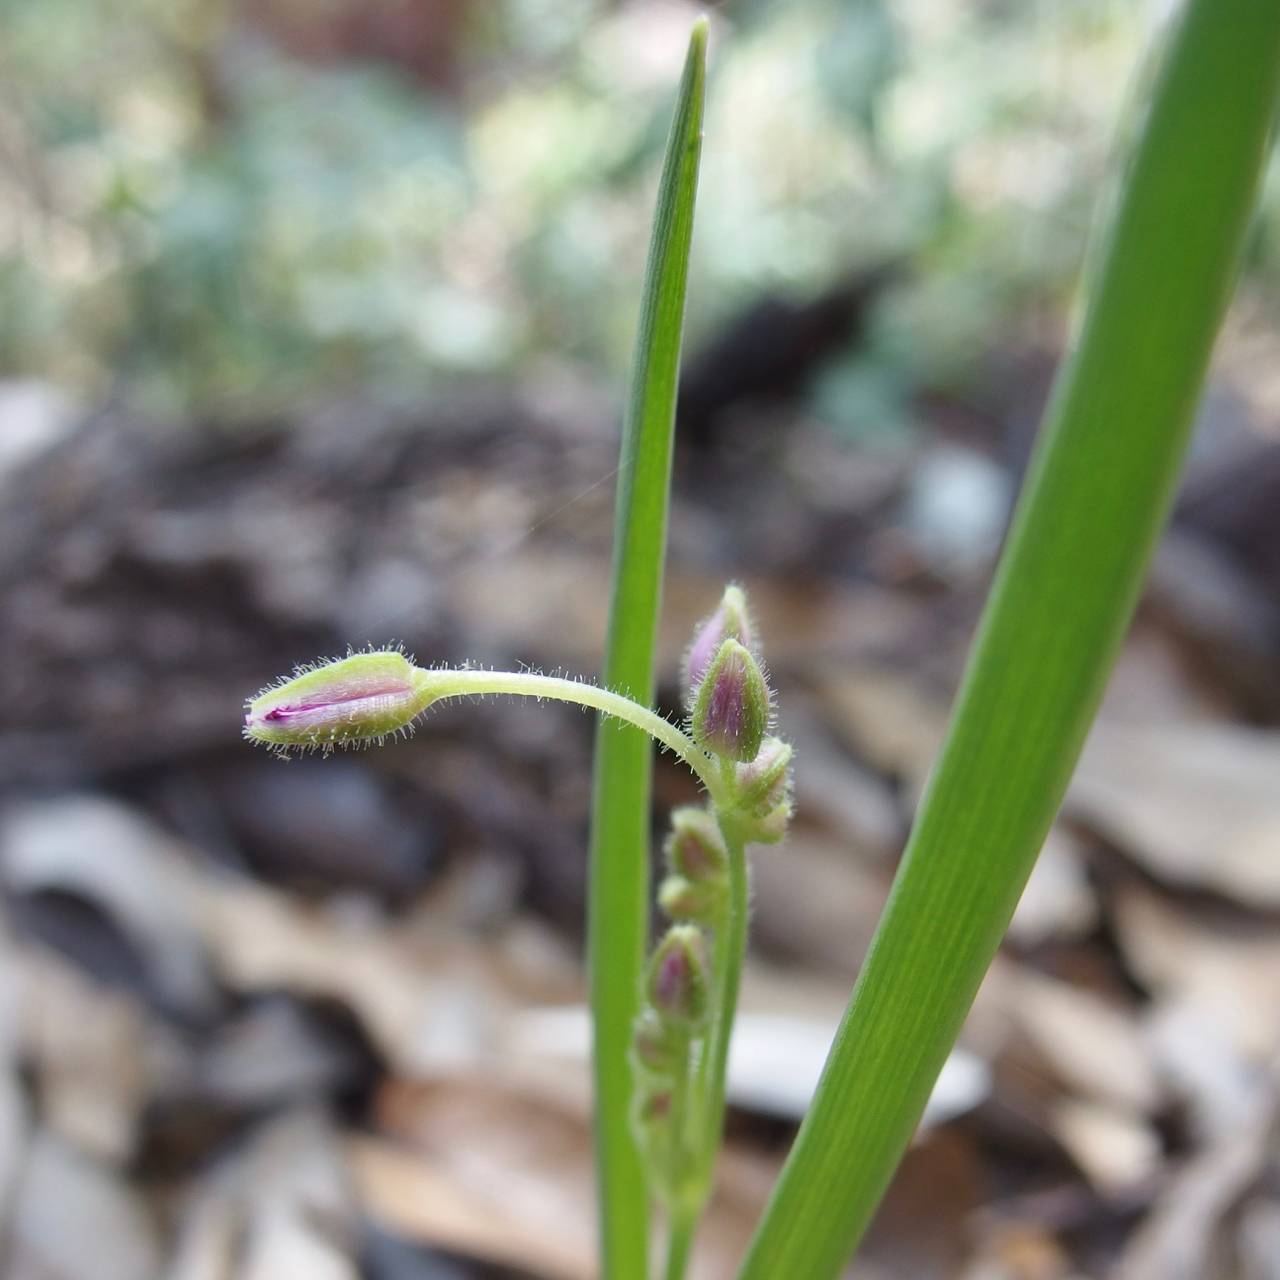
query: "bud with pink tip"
730, 621
358, 699
695, 848
678, 985
731, 711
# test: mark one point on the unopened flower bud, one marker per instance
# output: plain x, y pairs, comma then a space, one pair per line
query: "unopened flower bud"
651, 1109
678, 985
731, 711
657, 1047
695, 848
701, 901
765, 782
772, 827
358, 699
731, 621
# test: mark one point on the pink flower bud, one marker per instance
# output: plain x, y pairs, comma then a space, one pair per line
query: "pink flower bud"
731, 621
353, 700
731, 711
695, 848
678, 985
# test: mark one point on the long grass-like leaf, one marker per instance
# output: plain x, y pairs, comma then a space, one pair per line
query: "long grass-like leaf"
618, 910
1092, 507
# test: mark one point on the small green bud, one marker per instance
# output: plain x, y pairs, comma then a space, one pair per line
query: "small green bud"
657, 1047
678, 984
765, 782
772, 827
651, 1108
731, 621
731, 711
700, 901
347, 702
695, 848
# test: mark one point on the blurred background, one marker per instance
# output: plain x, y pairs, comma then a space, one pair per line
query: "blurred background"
314, 323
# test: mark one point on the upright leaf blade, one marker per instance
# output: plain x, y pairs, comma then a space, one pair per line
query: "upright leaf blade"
618, 906
1093, 504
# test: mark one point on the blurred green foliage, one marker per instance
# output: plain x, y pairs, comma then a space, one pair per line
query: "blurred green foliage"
195, 208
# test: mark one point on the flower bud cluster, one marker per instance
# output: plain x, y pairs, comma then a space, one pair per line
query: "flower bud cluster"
680, 1038
678, 984
697, 882
678, 991
730, 708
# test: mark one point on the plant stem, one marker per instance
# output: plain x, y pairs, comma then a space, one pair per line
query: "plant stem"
464, 683
682, 1221
730, 949
618, 875
1093, 503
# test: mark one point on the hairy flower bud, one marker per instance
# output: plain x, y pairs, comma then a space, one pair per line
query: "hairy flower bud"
765, 782
695, 848
699, 901
651, 1116
772, 826
358, 699
657, 1047
731, 711
678, 982
653, 1107
731, 621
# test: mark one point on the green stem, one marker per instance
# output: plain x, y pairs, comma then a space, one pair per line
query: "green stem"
679, 1138
683, 1219
1095, 499
465, 683
710, 1080
730, 949
618, 875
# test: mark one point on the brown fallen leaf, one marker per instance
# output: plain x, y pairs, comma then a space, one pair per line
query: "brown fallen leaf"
496, 1166
431, 996
1116, 1149
278, 1206
1193, 804
888, 716
86, 1046
417, 1201
1090, 1045
1216, 982
75, 1217
1020, 1251
1188, 1235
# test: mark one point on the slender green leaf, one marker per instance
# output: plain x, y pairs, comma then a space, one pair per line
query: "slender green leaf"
618, 907
1093, 505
